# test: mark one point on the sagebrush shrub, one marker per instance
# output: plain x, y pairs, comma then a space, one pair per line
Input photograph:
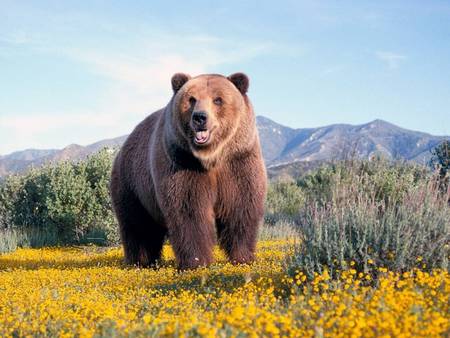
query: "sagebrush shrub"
282, 229
375, 215
386, 180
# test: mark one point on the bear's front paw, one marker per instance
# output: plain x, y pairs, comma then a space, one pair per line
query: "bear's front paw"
242, 258
193, 263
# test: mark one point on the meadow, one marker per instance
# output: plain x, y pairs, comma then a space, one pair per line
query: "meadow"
87, 292
352, 249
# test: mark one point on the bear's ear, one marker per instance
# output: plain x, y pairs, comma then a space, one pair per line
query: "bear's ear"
241, 81
178, 80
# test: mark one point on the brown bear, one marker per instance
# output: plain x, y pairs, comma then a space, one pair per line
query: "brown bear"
193, 171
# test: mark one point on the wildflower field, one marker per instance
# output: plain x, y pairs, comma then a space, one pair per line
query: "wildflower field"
353, 249
87, 291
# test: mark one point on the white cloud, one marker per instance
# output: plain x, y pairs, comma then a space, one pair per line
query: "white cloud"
140, 79
35, 131
45, 122
391, 59
138, 83
135, 59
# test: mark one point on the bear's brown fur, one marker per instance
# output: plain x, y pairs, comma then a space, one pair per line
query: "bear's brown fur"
193, 171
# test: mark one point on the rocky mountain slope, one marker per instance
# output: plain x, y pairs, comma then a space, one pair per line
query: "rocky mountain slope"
284, 145
281, 145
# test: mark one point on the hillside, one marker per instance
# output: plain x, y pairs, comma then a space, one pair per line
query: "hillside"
285, 145
281, 145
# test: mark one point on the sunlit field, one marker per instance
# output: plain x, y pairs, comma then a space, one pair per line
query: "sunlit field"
87, 291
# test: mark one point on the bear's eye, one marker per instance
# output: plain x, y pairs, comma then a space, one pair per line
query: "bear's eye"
192, 100
218, 101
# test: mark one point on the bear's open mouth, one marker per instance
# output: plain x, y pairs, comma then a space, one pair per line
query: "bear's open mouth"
201, 137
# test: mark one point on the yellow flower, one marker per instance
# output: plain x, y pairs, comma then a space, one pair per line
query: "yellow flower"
89, 292
147, 318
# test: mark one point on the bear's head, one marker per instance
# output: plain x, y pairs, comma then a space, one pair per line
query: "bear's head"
208, 110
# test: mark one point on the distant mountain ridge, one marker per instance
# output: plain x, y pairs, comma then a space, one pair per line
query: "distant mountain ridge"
281, 145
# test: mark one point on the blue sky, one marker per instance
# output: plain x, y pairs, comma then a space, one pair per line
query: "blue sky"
78, 72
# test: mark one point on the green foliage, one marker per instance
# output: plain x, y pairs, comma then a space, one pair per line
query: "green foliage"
68, 200
284, 201
372, 212
18, 237
440, 160
281, 229
9, 240
385, 180
441, 156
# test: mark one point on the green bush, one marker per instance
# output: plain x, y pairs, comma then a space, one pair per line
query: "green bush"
18, 237
440, 161
69, 201
284, 201
10, 240
281, 229
372, 213
387, 181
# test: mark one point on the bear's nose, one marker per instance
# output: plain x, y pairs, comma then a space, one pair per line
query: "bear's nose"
199, 118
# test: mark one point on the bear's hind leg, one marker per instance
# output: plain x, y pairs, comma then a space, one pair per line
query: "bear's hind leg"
142, 238
152, 241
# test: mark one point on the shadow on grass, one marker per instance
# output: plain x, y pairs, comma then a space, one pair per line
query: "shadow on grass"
7, 264
212, 282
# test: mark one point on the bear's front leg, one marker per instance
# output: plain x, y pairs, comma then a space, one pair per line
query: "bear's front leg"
237, 237
188, 205
240, 208
192, 238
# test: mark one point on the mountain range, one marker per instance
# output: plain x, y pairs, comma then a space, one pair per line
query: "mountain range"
281, 145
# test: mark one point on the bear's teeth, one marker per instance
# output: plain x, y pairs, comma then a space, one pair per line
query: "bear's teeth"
201, 134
